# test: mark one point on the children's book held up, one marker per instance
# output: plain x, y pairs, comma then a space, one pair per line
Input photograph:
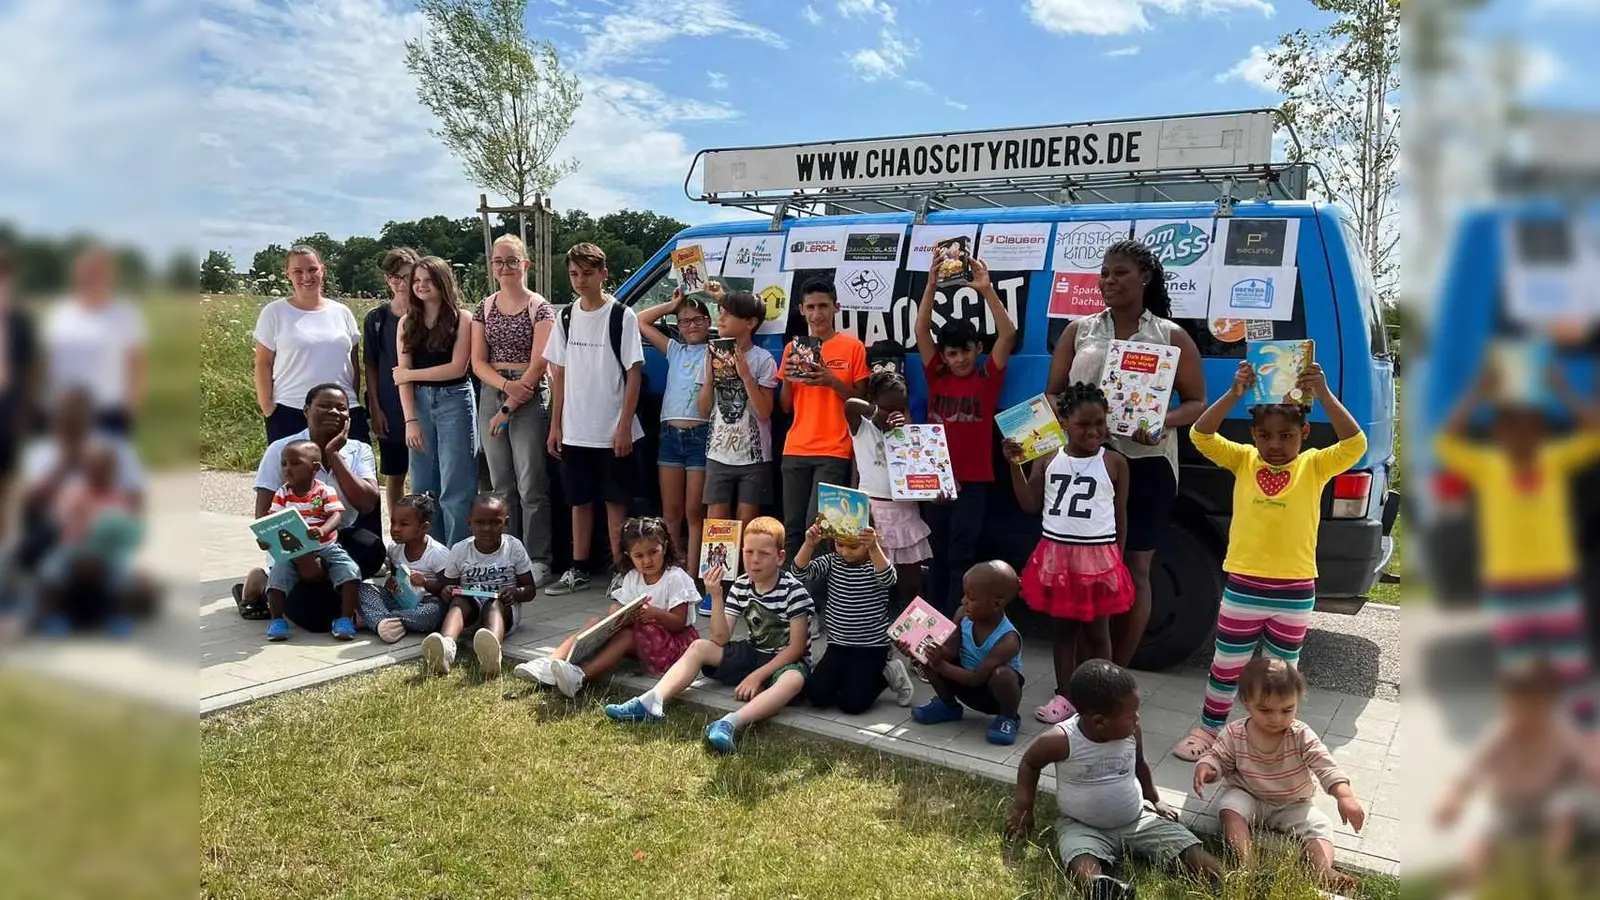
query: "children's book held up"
843, 512
719, 546
284, 533
920, 630
406, 593
689, 264
1032, 424
1279, 365
806, 351
1522, 370
724, 368
1138, 384
591, 639
919, 463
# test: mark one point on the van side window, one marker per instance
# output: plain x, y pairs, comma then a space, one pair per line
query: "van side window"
1366, 289
657, 289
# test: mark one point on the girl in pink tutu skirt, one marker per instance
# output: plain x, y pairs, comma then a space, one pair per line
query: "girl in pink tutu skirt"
1076, 575
901, 531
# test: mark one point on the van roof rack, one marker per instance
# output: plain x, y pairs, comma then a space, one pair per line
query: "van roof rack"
1200, 157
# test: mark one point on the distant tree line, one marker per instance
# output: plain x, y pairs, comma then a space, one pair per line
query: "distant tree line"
629, 238
44, 264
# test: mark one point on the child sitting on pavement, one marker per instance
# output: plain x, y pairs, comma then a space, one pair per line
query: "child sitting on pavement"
856, 668
418, 558
768, 669
97, 528
494, 567
322, 510
1107, 797
980, 664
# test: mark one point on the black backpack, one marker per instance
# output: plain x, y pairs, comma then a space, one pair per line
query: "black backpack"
616, 330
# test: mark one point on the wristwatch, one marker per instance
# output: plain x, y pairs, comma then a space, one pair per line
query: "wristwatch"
505, 409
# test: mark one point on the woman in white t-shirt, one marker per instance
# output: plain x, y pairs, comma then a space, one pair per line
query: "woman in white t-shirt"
95, 341
304, 340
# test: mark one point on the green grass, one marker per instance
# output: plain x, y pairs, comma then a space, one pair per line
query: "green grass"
167, 436
389, 785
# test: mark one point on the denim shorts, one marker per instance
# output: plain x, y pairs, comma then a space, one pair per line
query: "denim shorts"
684, 448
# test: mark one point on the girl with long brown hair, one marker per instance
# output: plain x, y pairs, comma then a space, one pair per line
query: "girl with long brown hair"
435, 350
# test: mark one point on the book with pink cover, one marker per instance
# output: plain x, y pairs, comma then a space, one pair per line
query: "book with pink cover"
921, 629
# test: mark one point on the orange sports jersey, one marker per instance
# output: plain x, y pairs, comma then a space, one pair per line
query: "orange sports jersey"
819, 427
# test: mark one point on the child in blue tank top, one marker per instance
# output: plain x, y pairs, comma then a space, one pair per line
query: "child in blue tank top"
980, 664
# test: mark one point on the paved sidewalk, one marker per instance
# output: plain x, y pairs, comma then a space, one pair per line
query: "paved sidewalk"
238, 666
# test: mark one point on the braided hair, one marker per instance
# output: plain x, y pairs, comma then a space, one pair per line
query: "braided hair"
426, 506
1079, 393
1294, 412
1156, 299
883, 380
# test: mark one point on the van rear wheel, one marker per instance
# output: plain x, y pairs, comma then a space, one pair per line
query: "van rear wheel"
1186, 592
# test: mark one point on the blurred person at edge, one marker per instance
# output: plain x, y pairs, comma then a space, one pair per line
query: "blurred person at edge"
302, 341
18, 355
94, 340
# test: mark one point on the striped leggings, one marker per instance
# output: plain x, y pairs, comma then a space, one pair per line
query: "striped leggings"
1269, 612
1540, 622
374, 604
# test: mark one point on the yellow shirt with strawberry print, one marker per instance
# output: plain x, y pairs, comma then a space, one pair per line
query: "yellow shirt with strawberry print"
1277, 510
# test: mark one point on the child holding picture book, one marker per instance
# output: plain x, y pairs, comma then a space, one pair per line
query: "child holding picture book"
980, 663
322, 511
486, 580
900, 529
737, 393
416, 559
685, 425
89, 510
661, 630
857, 667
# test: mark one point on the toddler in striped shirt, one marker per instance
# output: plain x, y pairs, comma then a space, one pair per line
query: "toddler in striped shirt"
323, 512
1273, 763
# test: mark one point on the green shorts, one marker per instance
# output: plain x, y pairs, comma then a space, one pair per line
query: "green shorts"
1150, 838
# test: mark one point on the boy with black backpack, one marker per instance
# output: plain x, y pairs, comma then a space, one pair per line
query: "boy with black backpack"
595, 354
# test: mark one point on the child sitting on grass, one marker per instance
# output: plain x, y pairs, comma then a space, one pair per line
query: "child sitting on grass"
662, 629
322, 511
857, 666
494, 567
414, 549
1269, 759
1107, 797
768, 670
980, 664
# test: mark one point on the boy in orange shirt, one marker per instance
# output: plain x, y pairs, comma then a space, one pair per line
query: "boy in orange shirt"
818, 449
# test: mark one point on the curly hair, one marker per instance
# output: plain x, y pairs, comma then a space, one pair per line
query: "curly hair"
1100, 687
647, 528
1294, 412
1079, 393
884, 380
1156, 299
958, 333
426, 506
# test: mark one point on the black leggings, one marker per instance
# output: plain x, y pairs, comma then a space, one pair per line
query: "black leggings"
314, 605
850, 678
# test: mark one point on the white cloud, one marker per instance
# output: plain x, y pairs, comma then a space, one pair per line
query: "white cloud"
885, 61
1254, 70
810, 15
625, 35
1109, 17
849, 9
1539, 68
716, 81
955, 104
1124, 51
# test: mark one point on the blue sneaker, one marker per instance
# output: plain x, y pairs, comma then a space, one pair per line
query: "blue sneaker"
937, 712
278, 630
56, 626
632, 711
719, 736
343, 629
1003, 730
705, 604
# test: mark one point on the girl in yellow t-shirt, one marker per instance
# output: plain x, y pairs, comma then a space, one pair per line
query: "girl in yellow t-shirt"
1272, 542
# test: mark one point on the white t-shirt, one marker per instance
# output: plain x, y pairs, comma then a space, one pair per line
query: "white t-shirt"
593, 384
356, 455
435, 557
488, 571
87, 347
312, 347
673, 590
871, 460
41, 457
739, 437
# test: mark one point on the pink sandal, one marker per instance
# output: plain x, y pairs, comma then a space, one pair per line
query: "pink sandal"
1194, 745
1056, 711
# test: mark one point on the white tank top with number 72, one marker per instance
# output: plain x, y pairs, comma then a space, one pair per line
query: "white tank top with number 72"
1080, 502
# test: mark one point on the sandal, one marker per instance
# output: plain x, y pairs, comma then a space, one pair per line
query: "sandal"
256, 610
1194, 745
1058, 710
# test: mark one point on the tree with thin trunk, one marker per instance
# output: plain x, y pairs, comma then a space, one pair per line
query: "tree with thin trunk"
503, 101
1341, 86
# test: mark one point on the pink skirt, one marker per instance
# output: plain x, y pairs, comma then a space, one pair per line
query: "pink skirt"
901, 531
1081, 582
658, 648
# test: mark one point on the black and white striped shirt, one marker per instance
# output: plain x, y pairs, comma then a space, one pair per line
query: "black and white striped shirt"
857, 612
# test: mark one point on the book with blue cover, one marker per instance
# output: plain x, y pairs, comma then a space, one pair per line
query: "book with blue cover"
406, 593
843, 512
284, 534
1279, 365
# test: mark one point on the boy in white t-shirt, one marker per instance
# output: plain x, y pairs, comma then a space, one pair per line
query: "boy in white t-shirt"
595, 352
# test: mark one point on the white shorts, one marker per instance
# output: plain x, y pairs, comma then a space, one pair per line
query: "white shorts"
1300, 819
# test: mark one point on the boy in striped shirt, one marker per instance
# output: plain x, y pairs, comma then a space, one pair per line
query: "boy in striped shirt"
1273, 763
322, 512
857, 667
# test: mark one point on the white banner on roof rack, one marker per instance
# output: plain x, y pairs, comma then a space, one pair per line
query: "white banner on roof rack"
1184, 142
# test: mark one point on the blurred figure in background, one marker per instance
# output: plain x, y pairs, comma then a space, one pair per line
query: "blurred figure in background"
94, 340
95, 516
18, 354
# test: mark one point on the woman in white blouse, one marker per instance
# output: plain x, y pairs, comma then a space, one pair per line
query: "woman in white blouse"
94, 341
304, 340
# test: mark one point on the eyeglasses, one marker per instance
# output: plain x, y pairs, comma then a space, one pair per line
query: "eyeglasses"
505, 263
696, 321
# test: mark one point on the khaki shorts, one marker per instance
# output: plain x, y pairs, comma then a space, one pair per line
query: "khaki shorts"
1150, 838
1300, 820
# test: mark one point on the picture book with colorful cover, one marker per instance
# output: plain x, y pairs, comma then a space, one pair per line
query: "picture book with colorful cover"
1279, 365
724, 369
919, 463
955, 262
689, 264
284, 534
805, 350
113, 534
719, 546
843, 511
1138, 383
591, 639
920, 630
1032, 423
406, 593
1522, 370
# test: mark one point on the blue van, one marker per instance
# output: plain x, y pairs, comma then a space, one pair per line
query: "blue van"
1336, 304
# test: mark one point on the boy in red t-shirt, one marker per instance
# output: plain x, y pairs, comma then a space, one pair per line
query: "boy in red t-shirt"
962, 396
817, 448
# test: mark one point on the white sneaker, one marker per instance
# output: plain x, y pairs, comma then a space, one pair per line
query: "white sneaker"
543, 575
438, 654
569, 678
900, 682
487, 648
390, 630
536, 670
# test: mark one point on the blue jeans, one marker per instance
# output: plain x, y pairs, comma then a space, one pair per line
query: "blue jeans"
447, 464
340, 567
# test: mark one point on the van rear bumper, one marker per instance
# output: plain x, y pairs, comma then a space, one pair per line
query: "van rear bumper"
1348, 553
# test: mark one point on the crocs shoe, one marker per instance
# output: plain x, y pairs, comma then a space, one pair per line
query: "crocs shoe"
278, 630
343, 629
1194, 744
719, 736
937, 712
631, 711
1003, 730
1056, 711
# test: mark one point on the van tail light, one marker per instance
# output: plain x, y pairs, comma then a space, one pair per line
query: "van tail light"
1350, 493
